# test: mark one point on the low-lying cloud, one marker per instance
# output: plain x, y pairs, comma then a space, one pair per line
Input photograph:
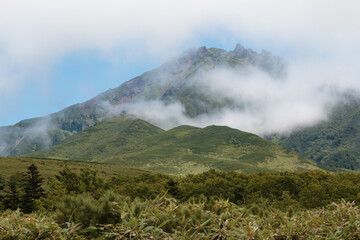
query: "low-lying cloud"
37, 131
34, 35
262, 104
321, 38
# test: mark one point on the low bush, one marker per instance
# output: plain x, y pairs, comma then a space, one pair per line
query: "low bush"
15, 225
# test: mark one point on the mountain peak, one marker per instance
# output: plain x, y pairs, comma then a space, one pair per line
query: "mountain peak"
202, 51
172, 82
242, 52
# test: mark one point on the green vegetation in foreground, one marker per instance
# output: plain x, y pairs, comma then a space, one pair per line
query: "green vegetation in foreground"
211, 205
164, 218
179, 151
50, 167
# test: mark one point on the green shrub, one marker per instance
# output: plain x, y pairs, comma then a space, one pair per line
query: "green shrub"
18, 226
113, 216
83, 209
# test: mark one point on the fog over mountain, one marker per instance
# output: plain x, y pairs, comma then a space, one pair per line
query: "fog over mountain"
251, 91
273, 99
320, 37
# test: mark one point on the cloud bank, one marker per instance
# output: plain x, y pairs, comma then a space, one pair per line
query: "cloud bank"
319, 37
35, 34
263, 104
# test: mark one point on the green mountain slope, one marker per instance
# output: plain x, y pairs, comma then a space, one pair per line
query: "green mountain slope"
335, 142
181, 150
103, 140
170, 82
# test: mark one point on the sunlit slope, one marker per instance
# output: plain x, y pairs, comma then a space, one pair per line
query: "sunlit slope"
181, 150
49, 168
102, 141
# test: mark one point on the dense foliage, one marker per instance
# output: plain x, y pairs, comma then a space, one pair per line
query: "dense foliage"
211, 205
284, 190
165, 218
32, 189
335, 142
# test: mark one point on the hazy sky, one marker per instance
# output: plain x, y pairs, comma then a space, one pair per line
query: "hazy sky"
57, 53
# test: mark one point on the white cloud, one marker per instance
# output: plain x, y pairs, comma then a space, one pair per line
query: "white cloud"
163, 115
265, 105
39, 30
34, 34
270, 105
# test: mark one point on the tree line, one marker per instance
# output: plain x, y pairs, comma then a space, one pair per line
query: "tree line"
281, 190
80, 204
22, 190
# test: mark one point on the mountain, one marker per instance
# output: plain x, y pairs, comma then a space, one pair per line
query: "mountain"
181, 150
335, 142
171, 82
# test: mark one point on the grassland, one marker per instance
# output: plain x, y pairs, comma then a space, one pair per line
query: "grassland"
179, 151
50, 167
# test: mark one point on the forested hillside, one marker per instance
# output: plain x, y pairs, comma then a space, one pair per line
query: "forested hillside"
335, 142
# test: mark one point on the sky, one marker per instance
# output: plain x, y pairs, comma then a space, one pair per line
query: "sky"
57, 53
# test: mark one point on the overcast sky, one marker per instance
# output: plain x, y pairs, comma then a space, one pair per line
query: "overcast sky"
54, 53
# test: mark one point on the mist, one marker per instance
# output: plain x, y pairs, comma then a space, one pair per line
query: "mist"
319, 38
35, 35
36, 131
263, 104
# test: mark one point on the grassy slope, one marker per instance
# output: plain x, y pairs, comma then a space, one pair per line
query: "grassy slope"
102, 141
50, 167
182, 150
